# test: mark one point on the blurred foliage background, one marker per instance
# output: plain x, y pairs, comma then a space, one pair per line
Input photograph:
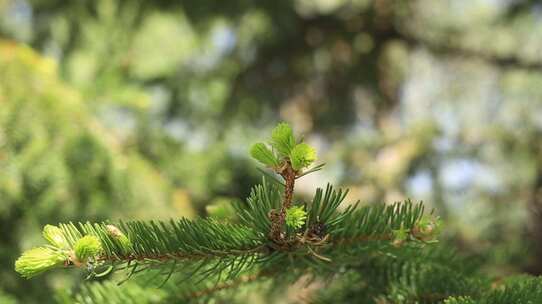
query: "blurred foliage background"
146, 109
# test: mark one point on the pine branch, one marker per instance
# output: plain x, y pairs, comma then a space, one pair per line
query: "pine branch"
180, 239
138, 245
140, 291
226, 285
516, 290
407, 275
109, 292
273, 233
135, 245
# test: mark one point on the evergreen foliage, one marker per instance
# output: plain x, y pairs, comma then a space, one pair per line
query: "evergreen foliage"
38, 260
265, 156
302, 155
282, 139
387, 250
158, 99
520, 289
295, 217
57, 161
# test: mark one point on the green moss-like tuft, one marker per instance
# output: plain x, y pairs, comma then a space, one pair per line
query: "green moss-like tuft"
296, 216
86, 247
39, 259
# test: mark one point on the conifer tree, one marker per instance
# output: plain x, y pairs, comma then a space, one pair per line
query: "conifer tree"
273, 241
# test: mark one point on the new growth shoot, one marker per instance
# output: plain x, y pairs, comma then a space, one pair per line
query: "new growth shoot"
287, 157
271, 229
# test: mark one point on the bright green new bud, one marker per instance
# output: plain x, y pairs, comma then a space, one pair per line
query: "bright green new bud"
122, 239
282, 138
302, 156
264, 155
296, 216
38, 260
86, 247
427, 228
55, 236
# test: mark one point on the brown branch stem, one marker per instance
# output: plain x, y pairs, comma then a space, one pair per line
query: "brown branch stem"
179, 256
278, 219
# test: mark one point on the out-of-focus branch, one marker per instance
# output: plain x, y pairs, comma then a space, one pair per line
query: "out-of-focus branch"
447, 49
